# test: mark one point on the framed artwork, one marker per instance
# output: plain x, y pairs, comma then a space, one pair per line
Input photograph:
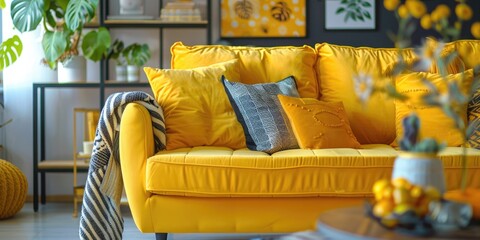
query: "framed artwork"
259, 18
350, 15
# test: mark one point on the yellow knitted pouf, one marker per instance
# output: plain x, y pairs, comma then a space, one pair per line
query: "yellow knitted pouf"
13, 189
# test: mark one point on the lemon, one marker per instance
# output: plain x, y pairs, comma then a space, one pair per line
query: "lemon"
401, 196
379, 185
401, 183
432, 193
383, 208
416, 193
422, 207
389, 222
403, 208
387, 193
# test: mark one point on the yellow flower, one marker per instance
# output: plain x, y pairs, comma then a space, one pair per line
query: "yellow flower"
402, 11
416, 8
391, 5
464, 12
476, 30
443, 11
426, 22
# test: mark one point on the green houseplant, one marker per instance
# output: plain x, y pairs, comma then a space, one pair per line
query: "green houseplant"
115, 54
63, 22
10, 49
136, 55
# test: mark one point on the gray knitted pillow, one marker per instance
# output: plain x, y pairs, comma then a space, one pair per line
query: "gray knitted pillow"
262, 117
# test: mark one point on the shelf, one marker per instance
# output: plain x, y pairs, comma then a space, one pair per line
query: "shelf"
61, 166
67, 85
114, 84
156, 23
84, 155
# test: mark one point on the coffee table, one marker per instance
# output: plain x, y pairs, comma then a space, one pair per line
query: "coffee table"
353, 223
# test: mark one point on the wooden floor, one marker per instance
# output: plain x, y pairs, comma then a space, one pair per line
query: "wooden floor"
55, 221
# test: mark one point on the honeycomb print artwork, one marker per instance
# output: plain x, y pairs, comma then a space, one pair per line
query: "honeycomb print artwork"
263, 18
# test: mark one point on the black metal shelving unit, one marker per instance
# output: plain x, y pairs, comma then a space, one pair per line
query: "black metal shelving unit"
39, 155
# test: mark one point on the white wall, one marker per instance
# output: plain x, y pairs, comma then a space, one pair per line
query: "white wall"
60, 103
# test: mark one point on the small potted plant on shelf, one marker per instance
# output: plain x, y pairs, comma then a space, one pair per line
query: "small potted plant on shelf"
136, 55
63, 23
115, 53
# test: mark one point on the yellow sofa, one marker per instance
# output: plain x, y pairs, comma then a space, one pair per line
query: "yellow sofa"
209, 189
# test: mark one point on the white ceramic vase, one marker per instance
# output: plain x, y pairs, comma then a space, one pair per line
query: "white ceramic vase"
420, 169
133, 73
75, 70
121, 73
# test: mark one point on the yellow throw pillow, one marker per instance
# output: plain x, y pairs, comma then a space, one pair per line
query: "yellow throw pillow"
256, 64
318, 124
336, 67
433, 121
196, 108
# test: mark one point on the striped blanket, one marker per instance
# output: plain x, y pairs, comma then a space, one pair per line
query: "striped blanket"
100, 217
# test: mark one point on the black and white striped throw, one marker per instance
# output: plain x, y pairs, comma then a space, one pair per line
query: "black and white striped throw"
100, 217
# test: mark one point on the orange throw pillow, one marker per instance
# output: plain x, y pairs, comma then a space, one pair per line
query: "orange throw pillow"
318, 124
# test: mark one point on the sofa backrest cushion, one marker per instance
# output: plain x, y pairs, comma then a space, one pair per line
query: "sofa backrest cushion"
196, 108
336, 68
469, 52
256, 64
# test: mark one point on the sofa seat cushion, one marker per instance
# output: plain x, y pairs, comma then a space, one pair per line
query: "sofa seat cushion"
342, 172
222, 172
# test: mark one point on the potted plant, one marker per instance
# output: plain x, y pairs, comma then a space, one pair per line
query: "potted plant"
63, 23
136, 55
115, 53
418, 162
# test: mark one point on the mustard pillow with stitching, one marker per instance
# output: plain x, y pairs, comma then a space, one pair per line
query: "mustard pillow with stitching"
196, 108
433, 121
336, 67
256, 64
318, 124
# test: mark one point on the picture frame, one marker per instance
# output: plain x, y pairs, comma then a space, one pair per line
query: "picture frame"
263, 19
348, 15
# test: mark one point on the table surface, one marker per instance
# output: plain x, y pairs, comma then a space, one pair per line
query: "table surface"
353, 223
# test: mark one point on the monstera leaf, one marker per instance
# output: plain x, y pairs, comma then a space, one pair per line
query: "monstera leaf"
78, 13
137, 54
96, 43
10, 50
26, 14
54, 44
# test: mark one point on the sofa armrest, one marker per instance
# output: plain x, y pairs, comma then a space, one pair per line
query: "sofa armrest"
136, 145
